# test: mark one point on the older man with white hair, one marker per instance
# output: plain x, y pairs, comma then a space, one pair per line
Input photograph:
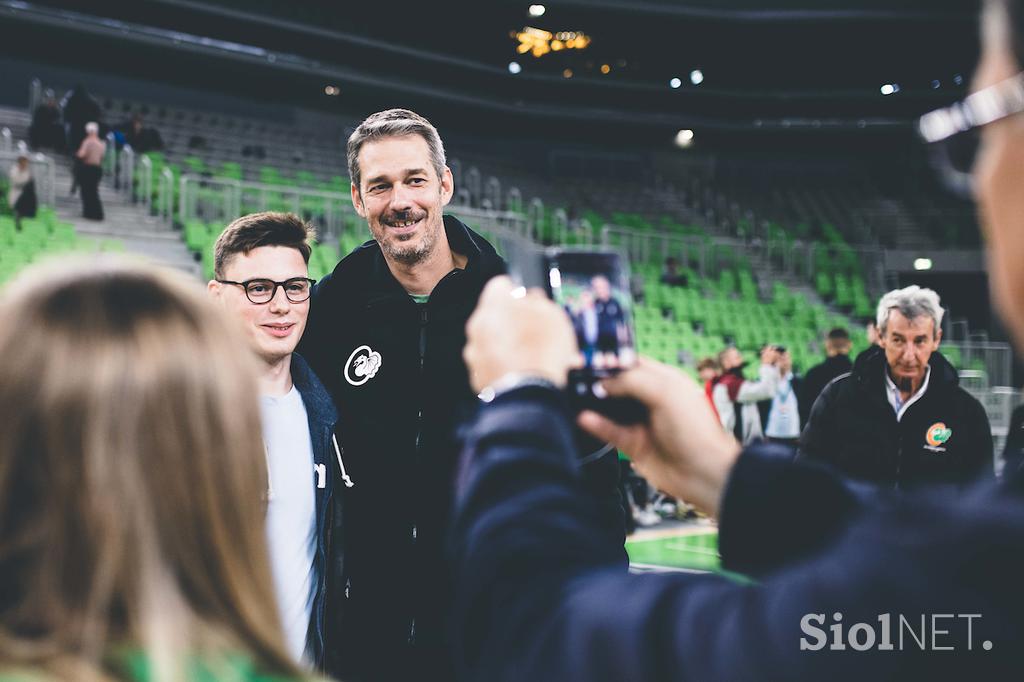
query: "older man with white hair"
900, 417
90, 170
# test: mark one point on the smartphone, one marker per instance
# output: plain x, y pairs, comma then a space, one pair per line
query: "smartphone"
592, 286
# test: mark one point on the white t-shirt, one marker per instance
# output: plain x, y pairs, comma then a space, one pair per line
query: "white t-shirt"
291, 514
783, 417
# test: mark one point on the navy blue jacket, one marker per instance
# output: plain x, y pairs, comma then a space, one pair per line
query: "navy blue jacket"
323, 419
541, 597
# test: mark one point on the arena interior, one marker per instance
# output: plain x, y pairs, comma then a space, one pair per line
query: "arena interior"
769, 147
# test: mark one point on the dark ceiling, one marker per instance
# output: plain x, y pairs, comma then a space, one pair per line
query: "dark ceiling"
805, 63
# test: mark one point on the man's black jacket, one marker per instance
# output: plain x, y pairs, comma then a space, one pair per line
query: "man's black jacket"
395, 370
540, 597
943, 438
815, 381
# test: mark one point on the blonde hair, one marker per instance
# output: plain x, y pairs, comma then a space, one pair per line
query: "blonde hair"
131, 480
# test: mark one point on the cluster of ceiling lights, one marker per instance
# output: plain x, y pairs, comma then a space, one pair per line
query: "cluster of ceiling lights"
538, 42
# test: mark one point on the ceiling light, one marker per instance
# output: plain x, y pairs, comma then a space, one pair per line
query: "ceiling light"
514, 67
922, 263
684, 138
936, 85
887, 89
696, 76
537, 10
675, 83
567, 73
605, 68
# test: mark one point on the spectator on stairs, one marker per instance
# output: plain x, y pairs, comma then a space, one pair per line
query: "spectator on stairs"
90, 170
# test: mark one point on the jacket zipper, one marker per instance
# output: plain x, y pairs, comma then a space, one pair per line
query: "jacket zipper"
326, 535
424, 318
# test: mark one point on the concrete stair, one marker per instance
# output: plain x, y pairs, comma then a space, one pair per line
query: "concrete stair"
142, 234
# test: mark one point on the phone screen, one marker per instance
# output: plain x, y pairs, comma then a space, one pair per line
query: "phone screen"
593, 289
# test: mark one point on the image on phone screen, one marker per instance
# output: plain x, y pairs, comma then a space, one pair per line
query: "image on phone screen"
593, 289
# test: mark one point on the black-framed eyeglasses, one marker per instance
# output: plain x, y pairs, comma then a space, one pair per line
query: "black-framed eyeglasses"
953, 134
296, 289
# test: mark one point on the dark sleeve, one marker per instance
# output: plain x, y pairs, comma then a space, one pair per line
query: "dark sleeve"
600, 480
804, 395
313, 344
541, 596
817, 438
764, 487
1013, 451
982, 451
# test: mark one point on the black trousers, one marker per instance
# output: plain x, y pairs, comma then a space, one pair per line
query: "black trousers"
89, 182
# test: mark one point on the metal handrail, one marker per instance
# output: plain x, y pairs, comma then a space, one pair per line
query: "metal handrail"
165, 195
337, 205
145, 186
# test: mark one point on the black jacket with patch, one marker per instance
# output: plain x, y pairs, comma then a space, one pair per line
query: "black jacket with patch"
943, 438
395, 370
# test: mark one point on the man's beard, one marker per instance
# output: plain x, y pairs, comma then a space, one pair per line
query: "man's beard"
904, 384
412, 255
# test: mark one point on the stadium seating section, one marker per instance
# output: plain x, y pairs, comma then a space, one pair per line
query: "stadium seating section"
41, 237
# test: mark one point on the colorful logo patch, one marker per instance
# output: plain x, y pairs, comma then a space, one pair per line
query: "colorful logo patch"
937, 434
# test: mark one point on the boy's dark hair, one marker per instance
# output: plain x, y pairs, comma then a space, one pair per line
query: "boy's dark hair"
262, 229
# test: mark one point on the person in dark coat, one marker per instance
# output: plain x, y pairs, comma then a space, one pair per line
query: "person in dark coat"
386, 334
837, 362
539, 596
45, 131
537, 599
900, 418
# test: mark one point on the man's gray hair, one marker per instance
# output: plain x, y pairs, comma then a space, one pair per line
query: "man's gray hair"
912, 302
92, 127
393, 123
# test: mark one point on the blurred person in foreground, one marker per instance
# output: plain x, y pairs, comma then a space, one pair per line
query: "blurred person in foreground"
131, 484
537, 600
901, 418
836, 363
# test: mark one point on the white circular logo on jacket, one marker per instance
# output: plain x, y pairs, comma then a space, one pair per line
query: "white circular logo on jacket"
362, 365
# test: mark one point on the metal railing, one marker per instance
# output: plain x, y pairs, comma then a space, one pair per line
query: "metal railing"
222, 200
994, 358
142, 187
43, 172
6, 139
706, 254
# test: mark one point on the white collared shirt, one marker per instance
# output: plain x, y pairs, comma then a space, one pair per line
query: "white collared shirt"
892, 392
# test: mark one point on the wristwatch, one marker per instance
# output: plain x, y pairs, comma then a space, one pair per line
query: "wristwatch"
512, 381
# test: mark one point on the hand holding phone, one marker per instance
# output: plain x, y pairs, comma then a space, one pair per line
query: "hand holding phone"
592, 287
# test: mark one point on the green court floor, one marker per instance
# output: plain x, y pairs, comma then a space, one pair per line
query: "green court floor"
687, 549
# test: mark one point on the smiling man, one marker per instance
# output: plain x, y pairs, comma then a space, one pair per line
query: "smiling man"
386, 334
261, 277
900, 417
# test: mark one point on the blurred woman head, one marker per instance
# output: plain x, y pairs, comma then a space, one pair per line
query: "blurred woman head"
131, 480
